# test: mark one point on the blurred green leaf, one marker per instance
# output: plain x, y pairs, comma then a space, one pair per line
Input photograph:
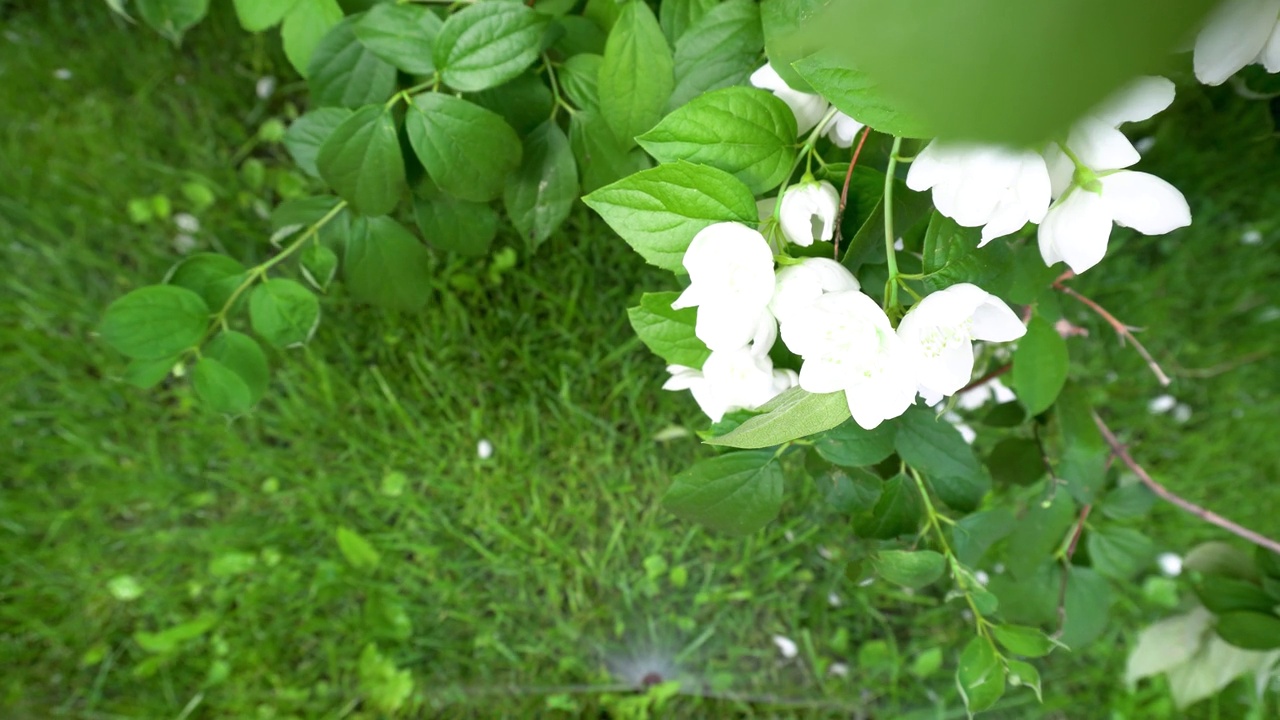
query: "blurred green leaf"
153, 322
637, 72
735, 493
795, 413
357, 550
668, 333
361, 161
387, 266
468, 151
913, 569
401, 34
283, 312
343, 72
1039, 366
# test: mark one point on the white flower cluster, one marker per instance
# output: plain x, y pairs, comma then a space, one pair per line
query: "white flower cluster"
1075, 190
846, 341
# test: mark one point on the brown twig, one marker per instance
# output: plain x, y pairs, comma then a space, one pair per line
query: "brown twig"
1066, 568
844, 192
1164, 493
1124, 331
986, 378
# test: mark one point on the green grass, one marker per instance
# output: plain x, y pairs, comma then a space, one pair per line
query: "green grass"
526, 577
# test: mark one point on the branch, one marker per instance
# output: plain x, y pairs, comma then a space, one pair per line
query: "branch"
1124, 331
1066, 568
986, 378
1164, 493
844, 192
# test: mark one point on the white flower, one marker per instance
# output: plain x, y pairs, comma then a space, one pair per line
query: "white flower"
807, 107
741, 379
939, 332
1077, 228
843, 129
1096, 140
1238, 33
484, 449
848, 344
808, 212
967, 433
998, 188
730, 282
799, 285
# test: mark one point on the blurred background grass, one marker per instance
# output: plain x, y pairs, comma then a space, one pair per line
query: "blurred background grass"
546, 578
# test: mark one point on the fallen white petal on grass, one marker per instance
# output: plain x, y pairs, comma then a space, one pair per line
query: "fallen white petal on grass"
484, 449
1161, 404
786, 646
1251, 237
1170, 564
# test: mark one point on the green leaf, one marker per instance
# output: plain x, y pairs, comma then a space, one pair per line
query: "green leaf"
735, 493
1223, 595
387, 266
744, 131
468, 151
487, 43
304, 26
1088, 606
973, 535
951, 255
1250, 630
938, 450
539, 196
913, 569
677, 16
1023, 673
1220, 558
242, 355
719, 50
668, 333
167, 641
1039, 366
858, 95
361, 161
357, 550
1016, 461
1119, 553
1028, 277
854, 491
992, 57
219, 387
658, 211
1025, 641
401, 34
795, 413
1079, 454
980, 675
637, 73
146, 374
783, 43
284, 312
579, 76
259, 15
1038, 533
232, 564
319, 264
603, 13
1030, 598
211, 275
1128, 502
602, 157
308, 133
910, 208
384, 687
460, 226
850, 445
172, 18
525, 102
157, 321
580, 35
897, 512
342, 71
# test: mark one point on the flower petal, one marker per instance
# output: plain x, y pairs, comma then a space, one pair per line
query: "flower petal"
1140, 100
725, 326
882, 397
1235, 34
1076, 230
843, 130
1270, 55
1100, 146
928, 168
1145, 203
993, 321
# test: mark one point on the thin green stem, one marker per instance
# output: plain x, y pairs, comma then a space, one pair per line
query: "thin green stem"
934, 522
557, 98
805, 151
891, 291
257, 273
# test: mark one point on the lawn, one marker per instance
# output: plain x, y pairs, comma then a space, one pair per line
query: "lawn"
545, 578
